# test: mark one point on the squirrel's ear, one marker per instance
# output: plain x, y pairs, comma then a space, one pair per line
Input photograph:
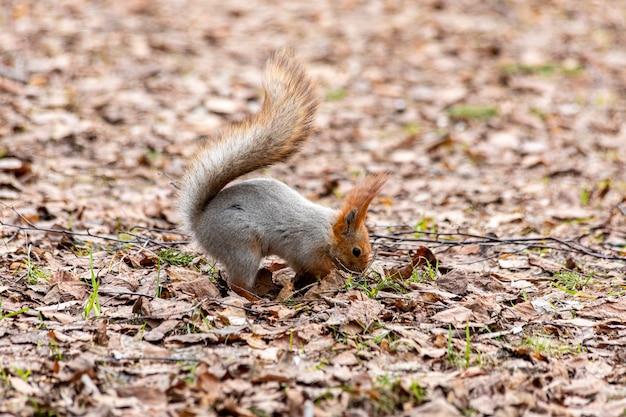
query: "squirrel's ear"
346, 223
350, 220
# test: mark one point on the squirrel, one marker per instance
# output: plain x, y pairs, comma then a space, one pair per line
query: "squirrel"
240, 224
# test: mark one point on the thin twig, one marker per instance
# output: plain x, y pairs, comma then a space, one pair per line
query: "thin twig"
139, 239
531, 242
148, 358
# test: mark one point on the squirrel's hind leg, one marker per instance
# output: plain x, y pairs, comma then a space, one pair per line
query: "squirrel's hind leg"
262, 286
243, 273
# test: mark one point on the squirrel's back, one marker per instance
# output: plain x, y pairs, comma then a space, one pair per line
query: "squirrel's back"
276, 132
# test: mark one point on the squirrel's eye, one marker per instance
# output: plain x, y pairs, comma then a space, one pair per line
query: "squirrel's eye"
356, 252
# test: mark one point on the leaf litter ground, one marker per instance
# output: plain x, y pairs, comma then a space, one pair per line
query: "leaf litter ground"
502, 125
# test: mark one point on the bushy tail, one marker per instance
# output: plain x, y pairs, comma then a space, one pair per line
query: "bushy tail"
276, 132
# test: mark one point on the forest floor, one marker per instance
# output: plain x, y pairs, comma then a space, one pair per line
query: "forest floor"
501, 123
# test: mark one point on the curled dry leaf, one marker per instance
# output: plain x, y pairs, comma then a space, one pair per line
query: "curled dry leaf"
15, 166
422, 258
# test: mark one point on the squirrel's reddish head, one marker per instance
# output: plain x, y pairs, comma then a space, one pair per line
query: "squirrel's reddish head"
351, 249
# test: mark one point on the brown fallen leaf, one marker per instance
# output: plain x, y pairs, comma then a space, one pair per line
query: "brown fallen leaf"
158, 333
523, 312
148, 395
141, 307
199, 288
436, 408
422, 258
141, 259
454, 282
509, 261
15, 166
65, 286
22, 386
101, 338
330, 284
545, 264
458, 316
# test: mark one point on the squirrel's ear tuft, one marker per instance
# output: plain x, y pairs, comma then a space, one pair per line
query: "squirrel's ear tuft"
360, 197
